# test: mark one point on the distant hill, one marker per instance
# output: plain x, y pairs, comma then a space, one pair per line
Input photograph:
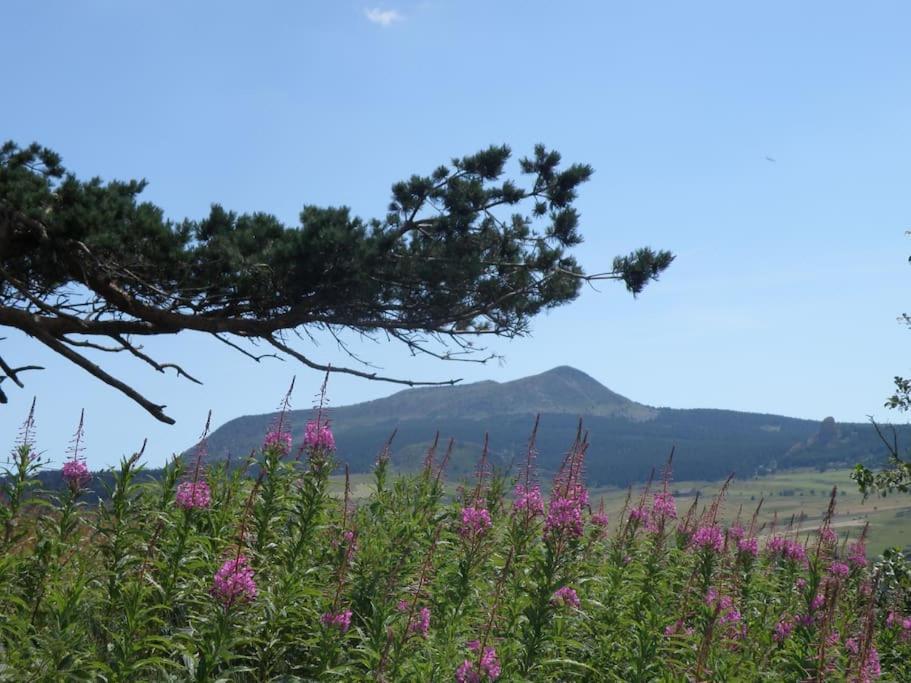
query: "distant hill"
627, 438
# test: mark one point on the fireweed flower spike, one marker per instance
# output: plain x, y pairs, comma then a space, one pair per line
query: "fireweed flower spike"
475, 522
340, 620
709, 538
234, 582
839, 570
528, 500
857, 554
748, 546
279, 439
664, 506
193, 495
319, 436
489, 666
565, 597
76, 474
421, 625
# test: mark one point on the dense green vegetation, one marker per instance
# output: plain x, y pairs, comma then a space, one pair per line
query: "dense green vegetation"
206, 574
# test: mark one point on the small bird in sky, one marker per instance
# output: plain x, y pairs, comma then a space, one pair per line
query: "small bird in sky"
770, 159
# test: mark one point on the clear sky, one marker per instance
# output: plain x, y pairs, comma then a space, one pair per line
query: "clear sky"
790, 273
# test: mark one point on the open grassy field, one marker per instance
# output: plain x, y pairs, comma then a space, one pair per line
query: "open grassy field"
801, 495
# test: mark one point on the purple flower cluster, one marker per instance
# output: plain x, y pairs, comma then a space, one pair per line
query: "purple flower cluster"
76, 473
490, 666
528, 499
786, 548
564, 517
421, 625
278, 439
475, 522
565, 597
727, 612
708, 538
869, 669
664, 506
857, 554
827, 535
782, 630
234, 581
319, 436
600, 519
193, 495
340, 620
839, 570
897, 620
748, 546
639, 515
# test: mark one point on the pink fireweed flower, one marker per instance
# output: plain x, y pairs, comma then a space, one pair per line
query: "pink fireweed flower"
76, 473
579, 493
565, 597
828, 535
728, 613
732, 616
748, 546
340, 620
489, 666
639, 515
839, 570
711, 596
787, 549
466, 673
319, 437
193, 495
870, 669
421, 625
475, 522
736, 532
805, 619
564, 517
529, 500
600, 519
708, 538
857, 554
782, 630
278, 439
796, 552
663, 505
817, 602
800, 584
234, 582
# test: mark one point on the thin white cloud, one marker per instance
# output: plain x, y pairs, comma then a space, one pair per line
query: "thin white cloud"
383, 17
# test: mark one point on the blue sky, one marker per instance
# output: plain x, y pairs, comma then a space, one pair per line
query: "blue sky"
790, 273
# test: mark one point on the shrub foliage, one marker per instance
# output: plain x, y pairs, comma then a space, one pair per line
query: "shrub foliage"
258, 573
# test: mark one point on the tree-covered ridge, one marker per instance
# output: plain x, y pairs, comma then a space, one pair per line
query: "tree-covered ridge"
628, 438
461, 253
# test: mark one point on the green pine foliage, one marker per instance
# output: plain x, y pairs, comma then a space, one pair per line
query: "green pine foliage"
462, 253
